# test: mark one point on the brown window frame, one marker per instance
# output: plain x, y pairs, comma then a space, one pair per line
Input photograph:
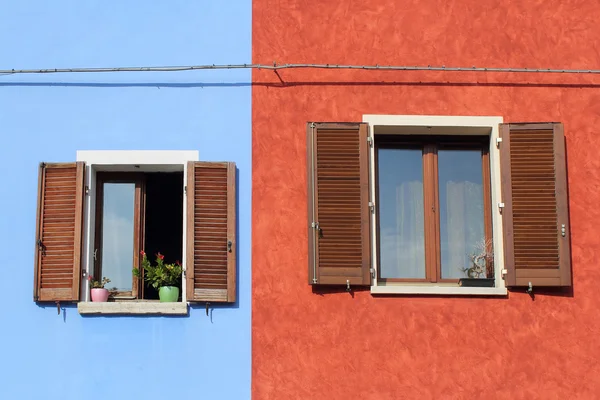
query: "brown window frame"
430, 146
138, 226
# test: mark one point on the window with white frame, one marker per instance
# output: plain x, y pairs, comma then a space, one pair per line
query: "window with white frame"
434, 180
420, 204
97, 217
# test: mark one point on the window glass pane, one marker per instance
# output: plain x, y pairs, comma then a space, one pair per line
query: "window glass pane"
401, 222
117, 234
461, 210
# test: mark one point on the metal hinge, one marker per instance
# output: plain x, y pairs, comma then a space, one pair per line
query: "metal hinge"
313, 125
500, 206
372, 206
87, 190
185, 189
498, 141
370, 141
504, 272
372, 271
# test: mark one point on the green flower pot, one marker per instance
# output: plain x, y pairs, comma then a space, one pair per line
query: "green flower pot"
168, 294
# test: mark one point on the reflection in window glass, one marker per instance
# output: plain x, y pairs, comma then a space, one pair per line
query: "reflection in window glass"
117, 234
401, 221
461, 209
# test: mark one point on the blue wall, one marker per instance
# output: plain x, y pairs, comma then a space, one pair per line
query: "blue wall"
50, 117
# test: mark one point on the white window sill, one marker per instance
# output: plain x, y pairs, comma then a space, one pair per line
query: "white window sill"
132, 308
440, 290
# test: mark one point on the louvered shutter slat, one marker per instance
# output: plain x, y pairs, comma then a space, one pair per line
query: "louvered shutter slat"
339, 223
534, 191
59, 232
211, 261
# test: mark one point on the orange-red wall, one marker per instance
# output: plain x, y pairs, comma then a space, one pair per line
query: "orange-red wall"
332, 346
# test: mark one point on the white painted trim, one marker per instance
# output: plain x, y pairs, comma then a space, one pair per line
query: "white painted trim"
137, 157
124, 161
133, 307
442, 124
432, 120
441, 290
372, 196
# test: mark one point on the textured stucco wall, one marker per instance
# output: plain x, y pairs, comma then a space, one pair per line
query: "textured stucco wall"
336, 346
50, 117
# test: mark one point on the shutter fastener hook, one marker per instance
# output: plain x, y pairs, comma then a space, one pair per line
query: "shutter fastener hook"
530, 289
347, 285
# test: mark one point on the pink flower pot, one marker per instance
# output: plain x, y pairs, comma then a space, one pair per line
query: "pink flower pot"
100, 295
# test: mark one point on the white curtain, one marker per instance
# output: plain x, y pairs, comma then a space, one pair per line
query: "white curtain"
410, 238
403, 248
464, 226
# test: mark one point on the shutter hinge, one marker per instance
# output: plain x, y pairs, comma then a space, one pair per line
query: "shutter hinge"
87, 190
372, 206
370, 140
313, 125
500, 206
372, 271
498, 141
563, 230
504, 272
185, 189
315, 226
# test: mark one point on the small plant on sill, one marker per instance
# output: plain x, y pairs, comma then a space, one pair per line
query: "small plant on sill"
480, 272
162, 276
98, 284
98, 292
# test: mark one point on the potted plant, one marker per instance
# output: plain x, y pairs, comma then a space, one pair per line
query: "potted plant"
98, 291
162, 276
480, 272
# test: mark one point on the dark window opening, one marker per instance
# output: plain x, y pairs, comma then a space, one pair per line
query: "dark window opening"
134, 212
163, 230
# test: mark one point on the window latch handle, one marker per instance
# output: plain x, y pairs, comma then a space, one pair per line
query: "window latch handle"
41, 247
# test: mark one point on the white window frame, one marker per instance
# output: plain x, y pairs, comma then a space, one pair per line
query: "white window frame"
127, 161
442, 125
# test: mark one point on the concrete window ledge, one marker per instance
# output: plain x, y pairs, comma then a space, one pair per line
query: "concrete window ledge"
132, 308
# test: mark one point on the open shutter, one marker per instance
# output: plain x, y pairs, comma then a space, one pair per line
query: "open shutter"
535, 215
338, 204
211, 232
59, 232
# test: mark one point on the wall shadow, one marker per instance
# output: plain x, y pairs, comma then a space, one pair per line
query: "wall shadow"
290, 84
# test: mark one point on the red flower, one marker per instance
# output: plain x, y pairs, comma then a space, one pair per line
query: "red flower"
160, 256
90, 277
142, 253
177, 262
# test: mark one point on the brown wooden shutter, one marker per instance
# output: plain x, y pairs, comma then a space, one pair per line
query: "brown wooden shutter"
535, 215
59, 232
338, 204
211, 232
